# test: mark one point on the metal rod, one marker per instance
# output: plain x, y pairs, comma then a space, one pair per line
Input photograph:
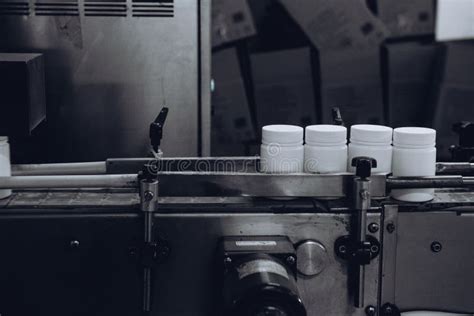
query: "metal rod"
361, 205
429, 182
147, 272
149, 204
83, 181
81, 168
454, 167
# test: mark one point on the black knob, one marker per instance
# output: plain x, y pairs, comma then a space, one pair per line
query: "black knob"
364, 166
156, 129
337, 117
465, 130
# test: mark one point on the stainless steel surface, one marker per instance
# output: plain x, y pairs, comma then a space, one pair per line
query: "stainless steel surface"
189, 273
108, 76
87, 181
427, 280
389, 253
454, 167
312, 258
260, 184
73, 199
208, 164
81, 168
209, 184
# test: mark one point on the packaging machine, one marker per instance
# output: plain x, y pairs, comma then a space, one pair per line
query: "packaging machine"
213, 236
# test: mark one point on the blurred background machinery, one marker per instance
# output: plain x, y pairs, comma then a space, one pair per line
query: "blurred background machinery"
377, 60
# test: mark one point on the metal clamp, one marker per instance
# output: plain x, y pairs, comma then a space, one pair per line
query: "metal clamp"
148, 205
361, 203
360, 253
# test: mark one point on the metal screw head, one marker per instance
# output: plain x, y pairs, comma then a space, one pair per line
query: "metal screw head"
74, 244
291, 260
227, 260
342, 249
390, 227
374, 248
148, 195
436, 246
364, 194
374, 227
370, 311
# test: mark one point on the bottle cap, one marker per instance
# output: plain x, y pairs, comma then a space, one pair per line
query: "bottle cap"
414, 136
3, 139
325, 134
375, 134
282, 134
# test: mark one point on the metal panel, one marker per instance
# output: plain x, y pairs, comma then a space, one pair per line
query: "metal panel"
108, 76
428, 280
189, 275
69, 265
389, 254
42, 266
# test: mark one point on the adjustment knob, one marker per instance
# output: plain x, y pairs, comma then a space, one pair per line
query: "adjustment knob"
364, 166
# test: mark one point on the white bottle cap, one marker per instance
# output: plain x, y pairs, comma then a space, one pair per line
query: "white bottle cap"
3, 139
282, 135
325, 134
414, 136
375, 134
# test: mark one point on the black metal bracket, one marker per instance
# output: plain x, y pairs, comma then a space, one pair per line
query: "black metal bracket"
360, 253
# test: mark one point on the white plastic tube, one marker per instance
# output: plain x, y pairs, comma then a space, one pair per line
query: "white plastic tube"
80, 168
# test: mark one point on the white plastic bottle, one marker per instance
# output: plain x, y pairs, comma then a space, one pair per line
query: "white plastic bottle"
5, 168
282, 149
373, 141
414, 154
325, 149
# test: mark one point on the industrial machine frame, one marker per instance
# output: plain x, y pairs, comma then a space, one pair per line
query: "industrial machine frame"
84, 242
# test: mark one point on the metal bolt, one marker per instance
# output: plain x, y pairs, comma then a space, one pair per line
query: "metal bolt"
374, 248
148, 195
74, 244
390, 227
364, 194
227, 260
290, 260
436, 246
371, 311
342, 249
374, 227
390, 310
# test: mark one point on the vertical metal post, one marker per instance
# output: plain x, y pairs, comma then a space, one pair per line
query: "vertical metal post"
361, 205
148, 205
